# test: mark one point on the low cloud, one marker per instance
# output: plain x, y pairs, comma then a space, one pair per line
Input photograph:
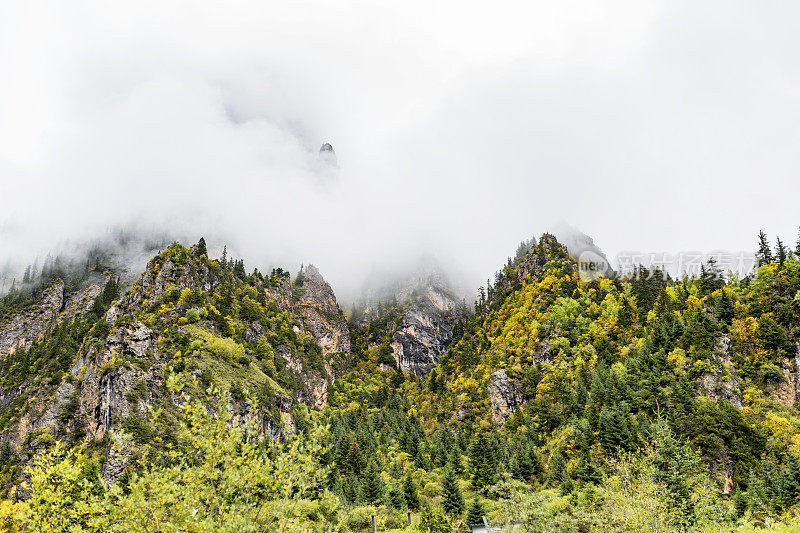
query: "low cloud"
458, 132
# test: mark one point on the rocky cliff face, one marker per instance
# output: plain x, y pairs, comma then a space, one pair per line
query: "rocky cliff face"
311, 300
420, 312
80, 302
315, 392
320, 313
531, 263
788, 391
24, 328
119, 372
592, 262
106, 382
505, 395
280, 292
163, 273
723, 382
312, 303
54, 306
424, 333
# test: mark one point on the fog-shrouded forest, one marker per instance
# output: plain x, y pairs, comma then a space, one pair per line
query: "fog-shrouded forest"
202, 395
438, 267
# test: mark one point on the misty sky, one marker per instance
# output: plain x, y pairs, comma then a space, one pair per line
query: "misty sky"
459, 128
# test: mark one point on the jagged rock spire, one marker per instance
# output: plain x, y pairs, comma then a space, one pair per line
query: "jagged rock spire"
327, 155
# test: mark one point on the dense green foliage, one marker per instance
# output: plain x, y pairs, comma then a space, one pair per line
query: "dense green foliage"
608, 368
647, 404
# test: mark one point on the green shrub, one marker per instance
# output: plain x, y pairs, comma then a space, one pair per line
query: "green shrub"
40, 437
68, 411
308, 509
192, 315
237, 394
358, 519
139, 391
432, 489
139, 428
771, 373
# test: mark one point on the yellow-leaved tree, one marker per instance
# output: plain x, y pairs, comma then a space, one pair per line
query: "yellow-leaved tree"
218, 477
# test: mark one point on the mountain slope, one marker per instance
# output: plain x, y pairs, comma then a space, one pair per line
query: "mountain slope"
604, 404
410, 322
185, 313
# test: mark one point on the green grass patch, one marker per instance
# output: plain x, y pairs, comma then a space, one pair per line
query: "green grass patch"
226, 361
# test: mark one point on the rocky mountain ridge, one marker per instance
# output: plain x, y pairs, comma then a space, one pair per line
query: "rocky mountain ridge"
121, 364
78, 368
54, 305
168, 320
413, 319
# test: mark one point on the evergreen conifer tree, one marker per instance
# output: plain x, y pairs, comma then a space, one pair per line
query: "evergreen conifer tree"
475, 512
614, 432
723, 308
395, 498
566, 484
226, 301
238, 269
421, 457
452, 499
395, 470
98, 308
372, 486
740, 503
557, 465
6, 453
711, 277
482, 462
516, 421
515, 470
201, 248
456, 463
110, 291
663, 304
351, 489
410, 493
587, 470
625, 315
764, 254
526, 466
675, 462
780, 252
793, 479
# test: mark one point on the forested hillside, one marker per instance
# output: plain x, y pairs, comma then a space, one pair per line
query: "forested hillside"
205, 398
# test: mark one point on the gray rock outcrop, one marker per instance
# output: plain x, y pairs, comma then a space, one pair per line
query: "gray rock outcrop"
505, 395
319, 312
788, 391
423, 336
722, 383
428, 308
27, 326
